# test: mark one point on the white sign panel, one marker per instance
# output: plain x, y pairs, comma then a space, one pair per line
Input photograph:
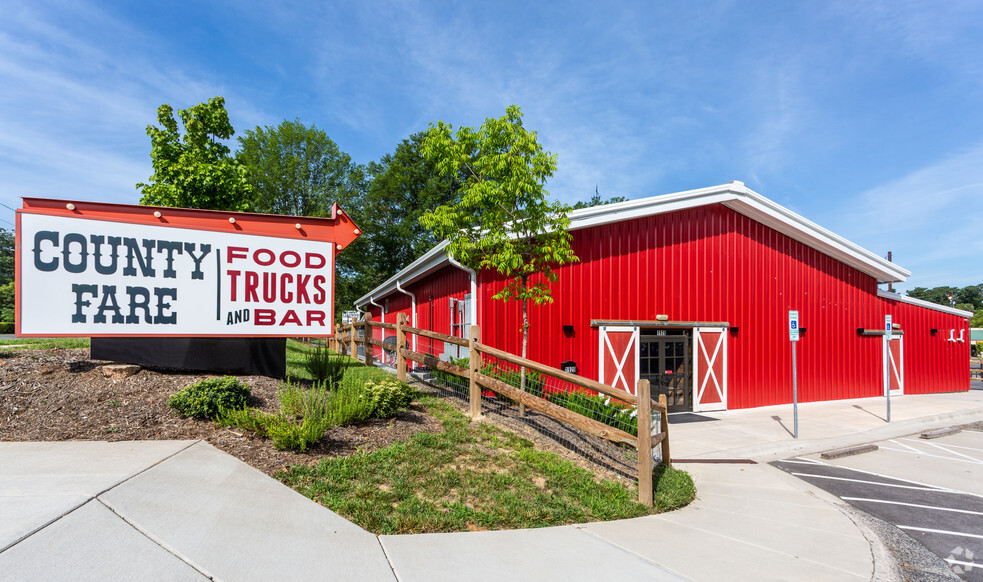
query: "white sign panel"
887, 327
89, 277
793, 326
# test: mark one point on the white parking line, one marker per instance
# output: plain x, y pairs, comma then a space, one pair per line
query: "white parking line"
942, 531
911, 505
917, 452
951, 562
801, 462
947, 445
876, 483
952, 452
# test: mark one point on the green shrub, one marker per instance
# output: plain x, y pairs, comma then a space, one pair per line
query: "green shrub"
600, 408
206, 398
303, 418
7, 301
389, 396
351, 402
6, 327
324, 368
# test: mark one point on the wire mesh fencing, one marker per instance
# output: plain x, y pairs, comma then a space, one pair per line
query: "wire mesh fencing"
603, 454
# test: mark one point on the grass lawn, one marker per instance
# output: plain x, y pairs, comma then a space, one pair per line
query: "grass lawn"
33, 343
472, 476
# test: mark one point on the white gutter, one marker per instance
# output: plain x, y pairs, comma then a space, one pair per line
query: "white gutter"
922, 303
412, 308
474, 289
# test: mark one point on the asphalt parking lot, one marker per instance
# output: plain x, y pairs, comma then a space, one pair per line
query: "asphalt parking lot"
931, 489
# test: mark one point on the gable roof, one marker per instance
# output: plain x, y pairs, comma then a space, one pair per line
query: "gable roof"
734, 195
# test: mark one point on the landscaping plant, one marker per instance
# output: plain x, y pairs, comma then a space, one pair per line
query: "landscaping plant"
324, 368
206, 398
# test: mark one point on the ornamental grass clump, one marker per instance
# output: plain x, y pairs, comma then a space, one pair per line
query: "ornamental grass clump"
303, 418
206, 398
324, 368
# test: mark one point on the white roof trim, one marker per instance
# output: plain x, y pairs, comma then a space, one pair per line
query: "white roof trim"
734, 195
428, 263
922, 303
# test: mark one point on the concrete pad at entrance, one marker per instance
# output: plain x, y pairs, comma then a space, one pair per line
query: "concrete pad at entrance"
233, 522
749, 522
767, 433
556, 553
92, 544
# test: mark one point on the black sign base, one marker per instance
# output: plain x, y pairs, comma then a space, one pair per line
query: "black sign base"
223, 355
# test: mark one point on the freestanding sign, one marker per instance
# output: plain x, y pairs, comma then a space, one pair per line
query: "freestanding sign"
93, 269
793, 336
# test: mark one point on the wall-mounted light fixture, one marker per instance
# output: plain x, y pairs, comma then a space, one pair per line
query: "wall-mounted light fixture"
568, 330
734, 329
802, 330
933, 331
662, 317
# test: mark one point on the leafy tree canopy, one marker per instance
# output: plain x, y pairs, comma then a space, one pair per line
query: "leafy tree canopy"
504, 220
969, 298
195, 170
297, 170
596, 200
7, 241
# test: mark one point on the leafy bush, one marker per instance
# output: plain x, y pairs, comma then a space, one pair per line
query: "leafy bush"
6, 327
324, 368
389, 396
600, 408
7, 301
206, 398
351, 403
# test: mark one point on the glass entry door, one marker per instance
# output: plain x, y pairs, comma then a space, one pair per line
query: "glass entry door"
664, 360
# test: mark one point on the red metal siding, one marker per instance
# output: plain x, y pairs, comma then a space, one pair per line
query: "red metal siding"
713, 264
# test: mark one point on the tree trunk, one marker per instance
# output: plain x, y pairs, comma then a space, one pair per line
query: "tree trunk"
525, 344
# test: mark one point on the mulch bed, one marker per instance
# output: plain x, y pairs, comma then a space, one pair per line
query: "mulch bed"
58, 395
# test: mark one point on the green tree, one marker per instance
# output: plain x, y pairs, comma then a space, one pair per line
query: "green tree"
504, 220
977, 319
402, 187
596, 200
7, 242
195, 170
297, 170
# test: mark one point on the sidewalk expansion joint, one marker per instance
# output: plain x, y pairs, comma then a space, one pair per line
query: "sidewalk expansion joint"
388, 559
582, 528
44, 525
158, 542
149, 467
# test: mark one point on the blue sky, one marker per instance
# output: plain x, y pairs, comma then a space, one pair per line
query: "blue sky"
865, 117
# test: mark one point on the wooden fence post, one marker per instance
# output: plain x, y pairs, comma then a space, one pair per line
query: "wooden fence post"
367, 333
644, 418
664, 427
474, 360
352, 347
400, 340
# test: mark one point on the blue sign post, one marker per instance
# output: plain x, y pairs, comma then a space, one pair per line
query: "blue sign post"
793, 336
888, 328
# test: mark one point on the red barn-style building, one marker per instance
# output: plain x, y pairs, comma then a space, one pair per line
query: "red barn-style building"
693, 291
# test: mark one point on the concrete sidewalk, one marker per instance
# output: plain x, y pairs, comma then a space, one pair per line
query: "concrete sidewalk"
182, 510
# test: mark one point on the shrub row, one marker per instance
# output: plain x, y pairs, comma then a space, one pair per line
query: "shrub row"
305, 414
595, 406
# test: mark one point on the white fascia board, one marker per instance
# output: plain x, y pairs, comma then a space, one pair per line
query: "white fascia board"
922, 303
428, 263
742, 199
759, 208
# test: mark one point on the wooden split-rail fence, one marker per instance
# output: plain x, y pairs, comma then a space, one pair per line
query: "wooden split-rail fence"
347, 339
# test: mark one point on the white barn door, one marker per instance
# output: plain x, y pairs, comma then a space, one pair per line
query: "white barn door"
895, 354
709, 369
618, 357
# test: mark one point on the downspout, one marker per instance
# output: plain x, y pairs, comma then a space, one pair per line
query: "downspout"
412, 308
474, 287
383, 312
